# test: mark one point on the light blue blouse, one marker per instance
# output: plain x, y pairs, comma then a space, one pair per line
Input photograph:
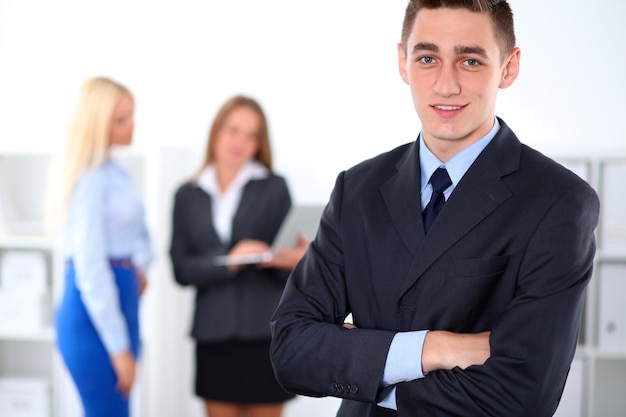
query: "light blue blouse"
105, 220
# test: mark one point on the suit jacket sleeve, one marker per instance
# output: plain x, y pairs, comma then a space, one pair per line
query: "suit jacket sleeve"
311, 352
191, 214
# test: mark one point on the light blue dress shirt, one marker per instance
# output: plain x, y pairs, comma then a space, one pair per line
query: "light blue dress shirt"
404, 359
105, 220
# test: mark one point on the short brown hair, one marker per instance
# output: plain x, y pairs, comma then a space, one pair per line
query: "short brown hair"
264, 154
499, 11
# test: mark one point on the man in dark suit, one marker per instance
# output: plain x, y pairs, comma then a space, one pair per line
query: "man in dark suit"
470, 309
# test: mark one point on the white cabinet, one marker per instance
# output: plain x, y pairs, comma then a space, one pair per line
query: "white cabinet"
24, 397
611, 307
612, 230
599, 370
28, 262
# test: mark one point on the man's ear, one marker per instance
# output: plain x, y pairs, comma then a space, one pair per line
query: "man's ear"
402, 63
511, 69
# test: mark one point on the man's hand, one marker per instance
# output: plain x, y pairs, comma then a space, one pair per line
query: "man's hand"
447, 350
124, 366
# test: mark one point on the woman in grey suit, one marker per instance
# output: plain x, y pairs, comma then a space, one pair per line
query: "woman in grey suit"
234, 206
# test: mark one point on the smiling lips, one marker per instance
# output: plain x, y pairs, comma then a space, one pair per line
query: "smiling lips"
447, 111
448, 108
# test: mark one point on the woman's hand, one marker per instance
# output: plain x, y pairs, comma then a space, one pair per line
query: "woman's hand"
142, 283
124, 366
245, 247
288, 258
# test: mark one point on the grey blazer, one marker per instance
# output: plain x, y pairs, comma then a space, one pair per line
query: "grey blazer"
511, 252
229, 305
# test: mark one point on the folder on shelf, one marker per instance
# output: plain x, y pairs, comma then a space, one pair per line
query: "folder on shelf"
612, 309
613, 208
24, 291
24, 270
22, 179
24, 397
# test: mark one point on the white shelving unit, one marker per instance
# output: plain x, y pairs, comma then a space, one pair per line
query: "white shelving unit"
29, 264
600, 376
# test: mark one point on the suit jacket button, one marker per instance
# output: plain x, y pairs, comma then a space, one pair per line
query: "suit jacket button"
334, 387
354, 389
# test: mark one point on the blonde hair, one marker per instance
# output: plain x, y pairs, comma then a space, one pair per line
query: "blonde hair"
264, 153
87, 144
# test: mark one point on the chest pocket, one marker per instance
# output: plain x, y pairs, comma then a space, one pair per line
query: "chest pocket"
478, 289
476, 269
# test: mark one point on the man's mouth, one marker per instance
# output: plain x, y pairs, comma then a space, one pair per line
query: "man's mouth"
448, 108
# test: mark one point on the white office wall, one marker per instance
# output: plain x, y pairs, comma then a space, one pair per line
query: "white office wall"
325, 71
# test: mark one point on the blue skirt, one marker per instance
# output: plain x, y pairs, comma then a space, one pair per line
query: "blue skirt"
84, 353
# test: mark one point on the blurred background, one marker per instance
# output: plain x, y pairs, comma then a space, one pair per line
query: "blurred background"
326, 74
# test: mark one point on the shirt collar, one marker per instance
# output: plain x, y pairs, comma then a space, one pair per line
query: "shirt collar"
252, 170
459, 164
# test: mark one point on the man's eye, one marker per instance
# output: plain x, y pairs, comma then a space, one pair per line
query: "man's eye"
472, 62
426, 60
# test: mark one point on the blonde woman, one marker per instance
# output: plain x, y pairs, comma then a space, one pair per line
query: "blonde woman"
107, 252
235, 205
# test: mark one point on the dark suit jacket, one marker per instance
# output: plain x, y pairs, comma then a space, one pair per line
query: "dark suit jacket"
229, 305
511, 252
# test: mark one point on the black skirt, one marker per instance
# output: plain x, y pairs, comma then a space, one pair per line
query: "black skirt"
237, 372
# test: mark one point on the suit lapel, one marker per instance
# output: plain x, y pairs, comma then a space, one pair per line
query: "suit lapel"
250, 196
401, 194
479, 193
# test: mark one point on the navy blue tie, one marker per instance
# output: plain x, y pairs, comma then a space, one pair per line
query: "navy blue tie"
440, 181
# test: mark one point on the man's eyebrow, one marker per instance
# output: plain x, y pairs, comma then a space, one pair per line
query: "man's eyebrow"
425, 46
473, 50
459, 50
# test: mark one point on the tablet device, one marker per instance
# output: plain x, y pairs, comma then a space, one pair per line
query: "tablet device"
304, 218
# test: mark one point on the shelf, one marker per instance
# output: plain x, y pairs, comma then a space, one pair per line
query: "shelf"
43, 335
608, 354
583, 352
14, 241
611, 255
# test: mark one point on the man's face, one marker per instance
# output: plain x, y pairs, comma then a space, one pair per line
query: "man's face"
454, 67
